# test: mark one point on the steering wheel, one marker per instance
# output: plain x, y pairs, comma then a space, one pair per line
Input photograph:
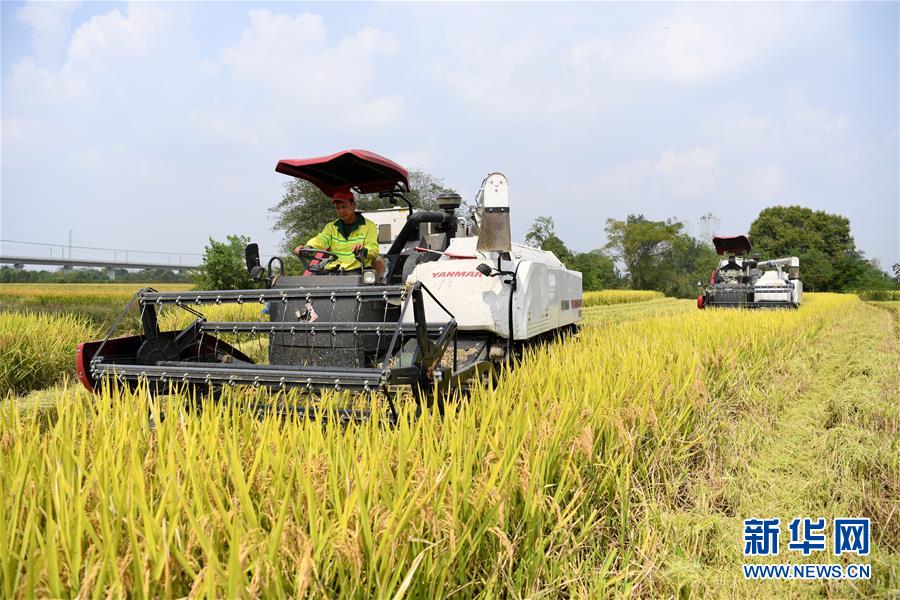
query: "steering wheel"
311, 254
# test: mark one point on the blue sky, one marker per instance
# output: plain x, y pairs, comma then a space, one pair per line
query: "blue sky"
154, 126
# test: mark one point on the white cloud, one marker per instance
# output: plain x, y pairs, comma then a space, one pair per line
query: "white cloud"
142, 126
118, 36
698, 159
494, 59
49, 23
743, 160
224, 126
769, 182
745, 156
567, 65
289, 58
800, 133
696, 44
663, 110
687, 174
690, 48
129, 78
107, 136
517, 78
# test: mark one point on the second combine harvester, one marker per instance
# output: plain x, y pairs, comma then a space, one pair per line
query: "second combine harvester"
742, 282
455, 300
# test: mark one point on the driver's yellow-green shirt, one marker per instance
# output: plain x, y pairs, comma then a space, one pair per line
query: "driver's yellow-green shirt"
340, 239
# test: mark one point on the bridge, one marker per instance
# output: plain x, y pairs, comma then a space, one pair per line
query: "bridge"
59, 255
20, 261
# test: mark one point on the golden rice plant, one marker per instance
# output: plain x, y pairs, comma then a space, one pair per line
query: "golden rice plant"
100, 304
619, 297
90, 289
172, 317
533, 487
37, 350
99, 292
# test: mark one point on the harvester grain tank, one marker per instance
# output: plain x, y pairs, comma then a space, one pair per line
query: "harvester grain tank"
742, 282
455, 300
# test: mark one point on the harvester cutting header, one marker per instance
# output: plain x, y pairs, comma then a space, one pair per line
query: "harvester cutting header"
448, 299
745, 282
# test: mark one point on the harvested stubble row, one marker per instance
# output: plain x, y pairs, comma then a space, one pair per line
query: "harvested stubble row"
618, 313
534, 486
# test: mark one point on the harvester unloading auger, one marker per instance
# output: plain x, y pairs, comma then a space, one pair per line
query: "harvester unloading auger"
742, 282
455, 300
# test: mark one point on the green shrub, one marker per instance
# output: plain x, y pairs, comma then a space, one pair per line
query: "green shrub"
879, 295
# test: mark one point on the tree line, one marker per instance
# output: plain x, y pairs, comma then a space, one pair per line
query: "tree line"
662, 256
87, 275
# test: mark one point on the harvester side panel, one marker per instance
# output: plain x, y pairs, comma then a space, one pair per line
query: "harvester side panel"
548, 297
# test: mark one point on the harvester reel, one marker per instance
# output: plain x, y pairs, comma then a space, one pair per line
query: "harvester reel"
157, 349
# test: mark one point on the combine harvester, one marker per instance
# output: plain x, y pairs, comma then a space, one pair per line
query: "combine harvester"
741, 282
456, 299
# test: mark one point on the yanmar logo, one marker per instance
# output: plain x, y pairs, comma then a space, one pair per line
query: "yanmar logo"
457, 274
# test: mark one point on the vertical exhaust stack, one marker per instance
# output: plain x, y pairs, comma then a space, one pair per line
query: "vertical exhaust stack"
493, 203
449, 202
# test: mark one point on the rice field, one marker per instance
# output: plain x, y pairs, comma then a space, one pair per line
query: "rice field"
611, 297
36, 349
98, 304
601, 314
619, 462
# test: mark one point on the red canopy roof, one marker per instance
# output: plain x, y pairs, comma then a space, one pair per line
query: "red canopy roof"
738, 244
362, 170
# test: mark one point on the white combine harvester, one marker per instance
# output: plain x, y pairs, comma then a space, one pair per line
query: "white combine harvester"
741, 282
455, 300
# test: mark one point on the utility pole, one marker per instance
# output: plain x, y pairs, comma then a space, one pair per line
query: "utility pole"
70, 244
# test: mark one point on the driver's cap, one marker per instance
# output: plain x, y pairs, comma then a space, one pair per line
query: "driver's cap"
343, 195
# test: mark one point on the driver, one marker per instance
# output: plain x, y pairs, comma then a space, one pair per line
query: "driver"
730, 271
346, 236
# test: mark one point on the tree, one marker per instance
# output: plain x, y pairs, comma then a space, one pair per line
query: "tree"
781, 231
853, 273
598, 271
542, 234
816, 270
640, 245
85, 275
541, 229
223, 265
304, 209
658, 255
829, 259
688, 260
